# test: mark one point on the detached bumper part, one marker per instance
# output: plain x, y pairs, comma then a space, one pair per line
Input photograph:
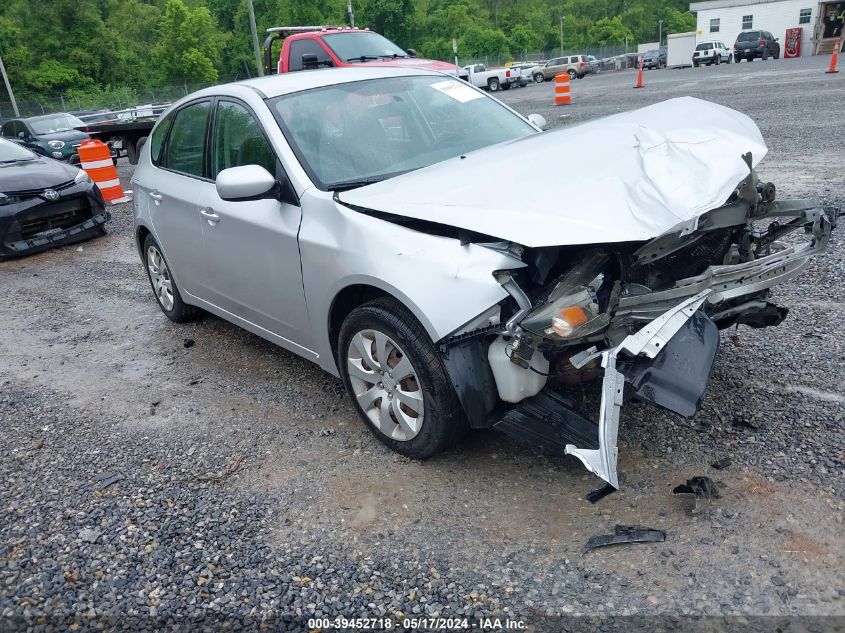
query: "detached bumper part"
58, 237
648, 342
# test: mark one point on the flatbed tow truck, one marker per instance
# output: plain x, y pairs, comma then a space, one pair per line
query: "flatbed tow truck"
124, 131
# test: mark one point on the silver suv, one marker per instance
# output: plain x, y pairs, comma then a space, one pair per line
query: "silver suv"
577, 66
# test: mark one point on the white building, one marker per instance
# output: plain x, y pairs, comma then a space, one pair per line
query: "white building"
820, 22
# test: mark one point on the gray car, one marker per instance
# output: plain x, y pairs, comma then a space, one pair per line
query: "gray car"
354, 217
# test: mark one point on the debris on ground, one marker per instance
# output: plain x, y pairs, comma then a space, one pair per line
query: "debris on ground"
188, 342
87, 535
744, 423
108, 479
626, 534
703, 488
231, 470
721, 463
597, 495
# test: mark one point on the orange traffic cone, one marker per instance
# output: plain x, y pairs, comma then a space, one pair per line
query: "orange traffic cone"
562, 96
640, 75
832, 68
95, 159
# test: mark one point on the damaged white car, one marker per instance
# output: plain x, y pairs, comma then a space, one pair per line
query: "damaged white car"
363, 219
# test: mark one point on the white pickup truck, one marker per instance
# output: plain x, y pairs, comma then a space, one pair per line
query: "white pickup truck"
494, 79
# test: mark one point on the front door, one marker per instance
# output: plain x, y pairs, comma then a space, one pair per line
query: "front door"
252, 267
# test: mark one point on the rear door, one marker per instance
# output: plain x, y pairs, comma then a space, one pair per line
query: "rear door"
173, 192
252, 267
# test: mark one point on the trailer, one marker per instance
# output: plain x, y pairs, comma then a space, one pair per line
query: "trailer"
124, 131
680, 49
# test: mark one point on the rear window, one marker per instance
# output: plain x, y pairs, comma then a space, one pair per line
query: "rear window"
703, 47
748, 36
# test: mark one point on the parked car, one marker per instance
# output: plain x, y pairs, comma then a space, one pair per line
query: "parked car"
577, 66
752, 44
53, 135
654, 59
358, 219
596, 65
493, 79
44, 203
711, 52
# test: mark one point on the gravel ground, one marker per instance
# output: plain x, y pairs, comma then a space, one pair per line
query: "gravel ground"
228, 484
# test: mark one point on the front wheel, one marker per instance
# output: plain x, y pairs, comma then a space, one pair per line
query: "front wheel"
396, 380
572, 74
493, 85
539, 78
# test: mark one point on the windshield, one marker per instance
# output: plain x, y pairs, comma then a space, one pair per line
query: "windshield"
55, 123
372, 130
651, 54
361, 46
748, 36
12, 152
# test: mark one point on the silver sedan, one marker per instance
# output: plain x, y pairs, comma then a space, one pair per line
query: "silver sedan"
362, 219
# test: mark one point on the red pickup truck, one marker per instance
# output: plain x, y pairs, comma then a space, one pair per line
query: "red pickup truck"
312, 47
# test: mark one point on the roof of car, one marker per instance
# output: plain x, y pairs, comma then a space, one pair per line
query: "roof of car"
286, 83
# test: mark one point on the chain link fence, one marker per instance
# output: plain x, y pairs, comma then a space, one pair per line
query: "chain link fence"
119, 98
599, 52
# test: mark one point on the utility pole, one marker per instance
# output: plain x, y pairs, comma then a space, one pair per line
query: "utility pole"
9, 88
351, 15
660, 34
254, 31
561, 35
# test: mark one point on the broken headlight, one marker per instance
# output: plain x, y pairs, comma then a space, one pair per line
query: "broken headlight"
572, 309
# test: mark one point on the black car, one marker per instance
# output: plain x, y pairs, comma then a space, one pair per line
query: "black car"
53, 135
751, 44
655, 59
45, 203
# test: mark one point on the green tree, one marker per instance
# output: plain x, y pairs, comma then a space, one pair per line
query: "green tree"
395, 19
190, 44
609, 31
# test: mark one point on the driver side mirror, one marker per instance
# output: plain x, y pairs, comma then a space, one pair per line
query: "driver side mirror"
22, 135
539, 120
309, 61
247, 182
411, 52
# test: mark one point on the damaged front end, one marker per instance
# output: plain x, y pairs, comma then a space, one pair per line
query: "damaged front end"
645, 313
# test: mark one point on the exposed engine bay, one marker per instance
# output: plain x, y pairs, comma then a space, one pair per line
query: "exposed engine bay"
645, 313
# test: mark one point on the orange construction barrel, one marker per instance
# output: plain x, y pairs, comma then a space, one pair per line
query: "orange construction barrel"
95, 159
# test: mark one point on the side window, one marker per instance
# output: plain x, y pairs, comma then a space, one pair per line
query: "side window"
306, 47
747, 22
157, 139
186, 143
239, 140
804, 16
6, 130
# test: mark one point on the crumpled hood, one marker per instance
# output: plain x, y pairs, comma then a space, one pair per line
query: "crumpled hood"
627, 177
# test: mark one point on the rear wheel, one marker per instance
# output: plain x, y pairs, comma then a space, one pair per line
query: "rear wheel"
539, 78
397, 381
163, 285
765, 54
572, 74
493, 85
730, 59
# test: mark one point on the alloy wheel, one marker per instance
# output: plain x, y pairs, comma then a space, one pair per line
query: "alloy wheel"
386, 385
160, 278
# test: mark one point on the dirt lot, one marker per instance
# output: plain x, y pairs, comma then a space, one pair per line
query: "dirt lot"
156, 476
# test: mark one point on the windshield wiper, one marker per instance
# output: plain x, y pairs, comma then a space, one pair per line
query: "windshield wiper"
362, 58
346, 185
394, 56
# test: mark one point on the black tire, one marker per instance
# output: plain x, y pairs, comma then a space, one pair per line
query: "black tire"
539, 78
765, 54
717, 60
572, 74
777, 54
730, 59
506, 86
493, 84
181, 311
444, 422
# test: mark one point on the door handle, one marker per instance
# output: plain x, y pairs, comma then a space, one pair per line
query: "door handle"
210, 215
156, 196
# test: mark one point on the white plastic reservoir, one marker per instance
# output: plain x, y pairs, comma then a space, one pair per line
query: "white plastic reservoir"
512, 381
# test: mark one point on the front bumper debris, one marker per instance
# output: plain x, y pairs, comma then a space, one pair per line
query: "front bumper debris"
74, 234
648, 342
